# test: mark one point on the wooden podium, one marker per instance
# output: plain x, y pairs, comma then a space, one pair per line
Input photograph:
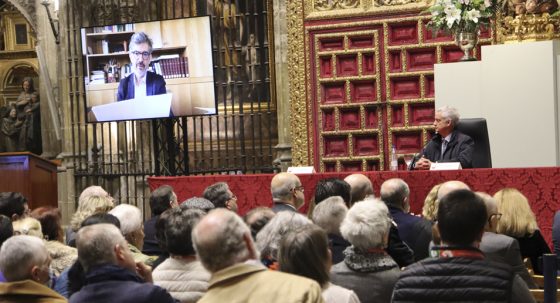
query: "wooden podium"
30, 175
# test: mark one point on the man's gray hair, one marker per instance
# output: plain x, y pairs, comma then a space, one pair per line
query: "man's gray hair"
96, 244
19, 254
366, 224
198, 203
130, 217
141, 37
223, 245
329, 214
450, 113
268, 239
394, 191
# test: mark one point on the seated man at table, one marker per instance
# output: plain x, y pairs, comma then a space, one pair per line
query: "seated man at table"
448, 144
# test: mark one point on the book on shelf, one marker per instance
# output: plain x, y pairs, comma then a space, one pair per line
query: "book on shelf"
173, 67
114, 28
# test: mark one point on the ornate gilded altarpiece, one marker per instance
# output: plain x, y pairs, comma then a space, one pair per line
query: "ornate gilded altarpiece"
361, 81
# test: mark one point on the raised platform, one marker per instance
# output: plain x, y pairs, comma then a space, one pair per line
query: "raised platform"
539, 184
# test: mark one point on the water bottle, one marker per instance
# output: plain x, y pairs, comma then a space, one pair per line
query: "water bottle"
394, 162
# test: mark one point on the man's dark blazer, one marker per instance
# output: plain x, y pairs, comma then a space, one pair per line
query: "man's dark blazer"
155, 85
278, 207
459, 149
416, 232
503, 249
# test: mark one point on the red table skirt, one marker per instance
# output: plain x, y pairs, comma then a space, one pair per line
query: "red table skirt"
540, 185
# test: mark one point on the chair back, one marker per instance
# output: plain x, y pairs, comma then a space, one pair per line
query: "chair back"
477, 129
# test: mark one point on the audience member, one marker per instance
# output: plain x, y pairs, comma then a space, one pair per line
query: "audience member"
555, 233
182, 275
429, 209
111, 272
62, 256
161, 199
132, 229
73, 278
518, 221
221, 196
329, 215
198, 203
416, 232
24, 261
13, 205
360, 187
224, 246
93, 199
461, 219
443, 190
257, 218
6, 231
331, 187
287, 192
501, 248
305, 252
367, 269
268, 239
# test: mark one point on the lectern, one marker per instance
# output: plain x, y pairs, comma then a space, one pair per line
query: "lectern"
30, 175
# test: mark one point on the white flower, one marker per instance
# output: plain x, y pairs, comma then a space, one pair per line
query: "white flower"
473, 15
453, 14
465, 2
487, 3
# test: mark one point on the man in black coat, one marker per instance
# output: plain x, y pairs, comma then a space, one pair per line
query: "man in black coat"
448, 145
111, 273
460, 272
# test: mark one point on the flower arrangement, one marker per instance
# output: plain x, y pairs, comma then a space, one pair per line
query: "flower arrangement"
461, 15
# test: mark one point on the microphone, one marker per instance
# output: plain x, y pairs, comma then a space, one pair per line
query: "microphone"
415, 159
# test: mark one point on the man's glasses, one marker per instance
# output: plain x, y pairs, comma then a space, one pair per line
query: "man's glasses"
145, 55
300, 188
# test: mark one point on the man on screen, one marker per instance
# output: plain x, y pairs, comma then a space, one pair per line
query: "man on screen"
140, 82
448, 144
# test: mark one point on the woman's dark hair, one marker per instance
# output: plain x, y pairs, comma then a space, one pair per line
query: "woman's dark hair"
6, 229
331, 187
305, 252
30, 80
99, 218
51, 222
178, 229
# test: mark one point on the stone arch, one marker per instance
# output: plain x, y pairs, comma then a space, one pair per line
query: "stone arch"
12, 77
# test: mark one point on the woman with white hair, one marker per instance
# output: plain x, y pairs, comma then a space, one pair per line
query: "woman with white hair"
367, 269
132, 228
93, 199
268, 239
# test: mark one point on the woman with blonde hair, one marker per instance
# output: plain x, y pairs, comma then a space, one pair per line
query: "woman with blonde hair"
430, 208
92, 200
518, 221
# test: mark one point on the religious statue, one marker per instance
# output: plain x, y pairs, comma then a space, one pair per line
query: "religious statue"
21, 126
10, 131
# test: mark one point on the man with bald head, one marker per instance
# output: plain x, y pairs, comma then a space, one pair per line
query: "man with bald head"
25, 262
360, 187
287, 192
224, 245
501, 248
415, 231
450, 186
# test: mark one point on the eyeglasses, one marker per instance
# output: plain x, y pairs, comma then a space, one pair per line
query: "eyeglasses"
498, 216
300, 188
145, 55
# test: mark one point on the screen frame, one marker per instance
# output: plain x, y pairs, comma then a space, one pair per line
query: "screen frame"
87, 111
